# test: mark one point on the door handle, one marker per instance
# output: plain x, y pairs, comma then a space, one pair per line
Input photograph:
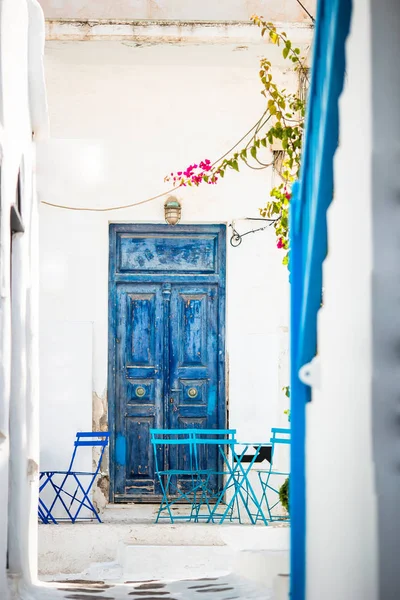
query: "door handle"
176, 390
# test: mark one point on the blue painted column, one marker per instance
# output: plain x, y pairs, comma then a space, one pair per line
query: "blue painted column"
299, 395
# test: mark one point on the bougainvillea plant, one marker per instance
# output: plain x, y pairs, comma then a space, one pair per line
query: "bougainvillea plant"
282, 124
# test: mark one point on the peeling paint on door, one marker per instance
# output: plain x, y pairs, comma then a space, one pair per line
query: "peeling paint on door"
167, 310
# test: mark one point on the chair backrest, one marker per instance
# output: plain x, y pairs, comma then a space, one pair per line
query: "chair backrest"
170, 436
214, 436
196, 436
167, 437
93, 439
193, 438
279, 435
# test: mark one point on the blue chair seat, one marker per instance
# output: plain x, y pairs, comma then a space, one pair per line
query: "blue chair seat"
69, 472
186, 472
272, 472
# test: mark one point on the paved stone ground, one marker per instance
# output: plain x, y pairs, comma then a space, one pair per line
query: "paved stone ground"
220, 588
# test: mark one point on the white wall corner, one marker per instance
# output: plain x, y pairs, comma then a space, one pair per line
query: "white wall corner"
36, 79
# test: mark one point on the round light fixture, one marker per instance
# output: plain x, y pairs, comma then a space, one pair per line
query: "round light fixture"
172, 210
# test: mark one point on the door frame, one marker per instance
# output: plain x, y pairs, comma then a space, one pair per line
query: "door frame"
218, 277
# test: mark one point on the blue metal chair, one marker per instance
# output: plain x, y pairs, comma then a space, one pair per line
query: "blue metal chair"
82, 481
197, 493
224, 440
267, 476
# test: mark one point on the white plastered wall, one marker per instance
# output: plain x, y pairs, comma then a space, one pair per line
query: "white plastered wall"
156, 108
23, 115
341, 504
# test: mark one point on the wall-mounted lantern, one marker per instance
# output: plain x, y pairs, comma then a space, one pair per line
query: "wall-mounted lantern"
172, 210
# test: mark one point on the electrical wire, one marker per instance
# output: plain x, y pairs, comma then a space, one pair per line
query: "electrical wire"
305, 10
256, 126
113, 207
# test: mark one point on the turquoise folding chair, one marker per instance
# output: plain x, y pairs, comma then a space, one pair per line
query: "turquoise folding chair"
221, 440
175, 491
271, 479
190, 484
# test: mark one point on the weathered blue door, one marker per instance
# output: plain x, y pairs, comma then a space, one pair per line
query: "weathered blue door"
166, 367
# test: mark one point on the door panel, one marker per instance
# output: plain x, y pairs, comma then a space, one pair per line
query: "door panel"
193, 366
139, 387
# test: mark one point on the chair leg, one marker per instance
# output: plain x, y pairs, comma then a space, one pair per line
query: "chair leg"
86, 498
58, 491
164, 500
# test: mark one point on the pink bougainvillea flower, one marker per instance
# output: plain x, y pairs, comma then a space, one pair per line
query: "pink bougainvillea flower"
195, 174
280, 243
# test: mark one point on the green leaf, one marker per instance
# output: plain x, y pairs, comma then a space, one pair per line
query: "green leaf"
243, 153
264, 142
235, 165
285, 260
253, 151
285, 52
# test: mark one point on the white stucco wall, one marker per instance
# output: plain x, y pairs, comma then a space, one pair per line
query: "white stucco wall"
176, 9
341, 502
158, 108
22, 116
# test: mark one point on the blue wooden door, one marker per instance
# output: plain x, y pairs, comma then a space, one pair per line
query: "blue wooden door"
166, 345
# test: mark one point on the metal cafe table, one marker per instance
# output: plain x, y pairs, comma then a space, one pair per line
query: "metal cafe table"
197, 491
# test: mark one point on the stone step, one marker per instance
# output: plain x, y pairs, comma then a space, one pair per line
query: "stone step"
261, 566
141, 563
282, 587
71, 548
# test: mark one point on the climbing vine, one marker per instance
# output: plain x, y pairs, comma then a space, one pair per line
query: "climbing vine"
281, 125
